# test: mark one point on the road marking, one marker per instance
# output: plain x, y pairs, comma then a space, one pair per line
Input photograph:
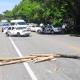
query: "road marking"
31, 73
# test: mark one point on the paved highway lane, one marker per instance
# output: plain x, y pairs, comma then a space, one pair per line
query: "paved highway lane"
11, 72
62, 44
61, 69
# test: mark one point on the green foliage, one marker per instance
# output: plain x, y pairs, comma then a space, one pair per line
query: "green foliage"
47, 11
1, 17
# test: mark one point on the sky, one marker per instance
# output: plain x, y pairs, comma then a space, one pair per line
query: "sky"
8, 5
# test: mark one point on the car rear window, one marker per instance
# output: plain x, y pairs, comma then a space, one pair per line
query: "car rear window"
21, 23
12, 23
20, 28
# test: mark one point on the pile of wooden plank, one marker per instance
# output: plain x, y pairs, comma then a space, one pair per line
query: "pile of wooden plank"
31, 58
35, 58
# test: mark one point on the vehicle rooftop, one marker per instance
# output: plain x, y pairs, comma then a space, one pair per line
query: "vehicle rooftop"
3, 21
14, 21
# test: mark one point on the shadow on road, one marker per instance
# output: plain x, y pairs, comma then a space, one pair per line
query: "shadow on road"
69, 56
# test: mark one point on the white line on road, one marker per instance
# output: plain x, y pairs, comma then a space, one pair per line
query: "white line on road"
31, 73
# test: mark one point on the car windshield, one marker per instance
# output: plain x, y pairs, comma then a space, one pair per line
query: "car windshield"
12, 23
20, 28
5, 24
21, 23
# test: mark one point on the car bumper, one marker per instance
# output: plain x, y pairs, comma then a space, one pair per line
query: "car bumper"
25, 34
21, 34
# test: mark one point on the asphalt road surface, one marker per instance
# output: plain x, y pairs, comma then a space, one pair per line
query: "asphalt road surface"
60, 69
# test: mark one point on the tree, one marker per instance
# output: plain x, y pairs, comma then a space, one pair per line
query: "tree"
8, 15
55, 12
1, 17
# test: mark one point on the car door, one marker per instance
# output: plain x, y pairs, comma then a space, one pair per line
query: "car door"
13, 31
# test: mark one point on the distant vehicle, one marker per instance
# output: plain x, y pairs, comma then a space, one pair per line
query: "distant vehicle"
18, 23
49, 29
38, 29
4, 21
18, 31
5, 26
35, 27
18, 27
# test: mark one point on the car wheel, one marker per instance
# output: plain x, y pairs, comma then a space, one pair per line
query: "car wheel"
28, 35
52, 32
7, 34
39, 31
18, 34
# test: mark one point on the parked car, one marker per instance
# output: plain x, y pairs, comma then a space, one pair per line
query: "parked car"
5, 26
49, 29
38, 29
18, 31
18, 23
35, 27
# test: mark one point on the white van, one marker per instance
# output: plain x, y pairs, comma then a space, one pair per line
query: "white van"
18, 23
4, 21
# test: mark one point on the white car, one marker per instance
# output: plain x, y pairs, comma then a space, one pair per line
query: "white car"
35, 28
38, 29
5, 26
18, 31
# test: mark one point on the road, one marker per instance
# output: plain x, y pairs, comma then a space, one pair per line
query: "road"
60, 69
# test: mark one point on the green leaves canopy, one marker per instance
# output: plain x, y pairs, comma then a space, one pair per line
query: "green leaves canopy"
48, 11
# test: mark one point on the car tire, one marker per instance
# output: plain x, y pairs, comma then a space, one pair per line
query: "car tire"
28, 35
52, 32
38, 31
7, 34
18, 34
